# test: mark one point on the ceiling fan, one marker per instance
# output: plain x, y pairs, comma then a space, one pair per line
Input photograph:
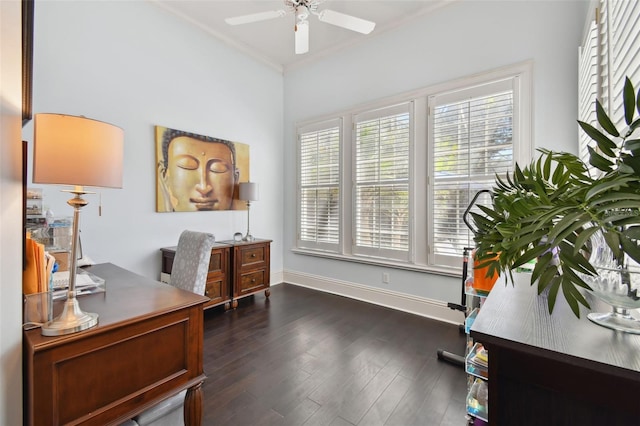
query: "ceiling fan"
302, 9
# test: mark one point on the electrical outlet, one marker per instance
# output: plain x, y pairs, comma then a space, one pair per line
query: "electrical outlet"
385, 277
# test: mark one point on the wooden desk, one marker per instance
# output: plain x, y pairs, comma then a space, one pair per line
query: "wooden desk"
146, 347
555, 369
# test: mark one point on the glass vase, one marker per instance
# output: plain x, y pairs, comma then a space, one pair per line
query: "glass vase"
617, 284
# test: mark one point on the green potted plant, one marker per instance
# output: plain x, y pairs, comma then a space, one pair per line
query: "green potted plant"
549, 211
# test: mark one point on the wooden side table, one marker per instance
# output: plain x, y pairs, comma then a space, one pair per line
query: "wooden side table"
236, 269
251, 272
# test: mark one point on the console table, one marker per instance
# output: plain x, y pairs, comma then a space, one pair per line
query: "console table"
236, 269
147, 346
555, 369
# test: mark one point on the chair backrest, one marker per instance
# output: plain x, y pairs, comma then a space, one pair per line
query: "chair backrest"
191, 263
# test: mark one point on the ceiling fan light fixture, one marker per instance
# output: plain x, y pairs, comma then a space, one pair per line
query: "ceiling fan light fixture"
302, 9
302, 37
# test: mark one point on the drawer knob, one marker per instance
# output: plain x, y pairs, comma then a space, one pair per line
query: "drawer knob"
253, 280
253, 255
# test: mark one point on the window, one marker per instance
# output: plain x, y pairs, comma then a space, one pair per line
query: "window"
388, 183
382, 182
319, 190
472, 141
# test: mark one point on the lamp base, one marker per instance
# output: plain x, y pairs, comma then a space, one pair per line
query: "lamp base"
248, 237
71, 320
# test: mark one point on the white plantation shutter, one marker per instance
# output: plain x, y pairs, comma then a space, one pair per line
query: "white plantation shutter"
624, 46
319, 186
588, 86
472, 141
617, 28
381, 182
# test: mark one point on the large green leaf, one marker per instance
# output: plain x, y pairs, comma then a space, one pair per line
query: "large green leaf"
608, 185
630, 246
614, 197
553, 291
632, 162
598, 161
583, 237
569, 223
613, 241
632, 145
541, 266
604, 120
604, 143
629, 98
570, 297
547, 277
638, 102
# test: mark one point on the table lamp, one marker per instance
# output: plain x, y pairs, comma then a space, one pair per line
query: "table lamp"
248, 193
77, 151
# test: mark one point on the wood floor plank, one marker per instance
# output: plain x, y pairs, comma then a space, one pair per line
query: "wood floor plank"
304, 357
382, 408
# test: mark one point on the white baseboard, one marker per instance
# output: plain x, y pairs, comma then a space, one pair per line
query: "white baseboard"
429, 308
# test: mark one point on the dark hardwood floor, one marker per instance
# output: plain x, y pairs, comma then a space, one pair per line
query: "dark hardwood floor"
304, 357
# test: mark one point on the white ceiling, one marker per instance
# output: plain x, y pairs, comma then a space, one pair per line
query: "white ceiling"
272, 41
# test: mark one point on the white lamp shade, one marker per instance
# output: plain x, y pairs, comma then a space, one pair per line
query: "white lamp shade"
248, 191
69, 150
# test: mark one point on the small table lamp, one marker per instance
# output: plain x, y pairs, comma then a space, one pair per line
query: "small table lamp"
248, 193
78, 151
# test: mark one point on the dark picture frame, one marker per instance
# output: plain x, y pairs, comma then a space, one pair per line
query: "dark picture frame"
27, 60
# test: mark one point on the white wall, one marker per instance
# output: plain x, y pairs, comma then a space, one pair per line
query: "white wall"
461, 39
135, 65
10, 215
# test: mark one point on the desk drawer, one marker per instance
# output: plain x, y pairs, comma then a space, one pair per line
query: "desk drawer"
217, 291
252, 256
252, 282
217, 261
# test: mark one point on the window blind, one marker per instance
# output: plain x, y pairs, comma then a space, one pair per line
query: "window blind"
319, 192
472, 137
616, 32
382, 140
623, 45
588, 87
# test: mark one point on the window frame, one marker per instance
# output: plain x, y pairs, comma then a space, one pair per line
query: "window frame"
311, 128
385, 253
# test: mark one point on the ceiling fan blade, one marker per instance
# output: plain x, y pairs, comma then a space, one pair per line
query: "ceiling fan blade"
255, 17
346, 21
302, 37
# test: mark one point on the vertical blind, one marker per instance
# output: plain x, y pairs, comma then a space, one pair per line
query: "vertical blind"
319, 194
381, 169
472, 142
